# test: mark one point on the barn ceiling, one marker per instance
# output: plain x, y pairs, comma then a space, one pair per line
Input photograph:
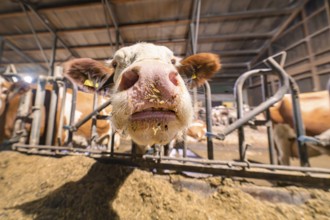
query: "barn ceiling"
241, 32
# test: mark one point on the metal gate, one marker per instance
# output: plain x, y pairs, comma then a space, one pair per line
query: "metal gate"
29, 142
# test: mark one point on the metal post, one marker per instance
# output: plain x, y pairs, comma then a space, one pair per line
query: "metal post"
52, 113
298, 123
53, 58
208, 105
269, 126
34, 33
62, 92
2, 46
37, 111
94, 135
240, 130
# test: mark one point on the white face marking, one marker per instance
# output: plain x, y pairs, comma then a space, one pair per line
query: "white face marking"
67, 109
153, 90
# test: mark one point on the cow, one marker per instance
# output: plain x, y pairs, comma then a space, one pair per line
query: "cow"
10, 98
315, 111
196, 130
150, 98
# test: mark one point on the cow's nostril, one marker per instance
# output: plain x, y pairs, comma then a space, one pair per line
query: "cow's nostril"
173, 76
128, 79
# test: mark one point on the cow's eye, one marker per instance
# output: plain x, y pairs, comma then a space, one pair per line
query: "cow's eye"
114, 64
173, 61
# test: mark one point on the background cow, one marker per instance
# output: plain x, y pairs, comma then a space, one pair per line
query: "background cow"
10, 98
315, 112
151, 102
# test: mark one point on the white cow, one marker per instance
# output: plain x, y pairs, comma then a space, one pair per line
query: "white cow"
151, 102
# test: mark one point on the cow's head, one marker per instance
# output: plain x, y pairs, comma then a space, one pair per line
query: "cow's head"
9, 90
150, 100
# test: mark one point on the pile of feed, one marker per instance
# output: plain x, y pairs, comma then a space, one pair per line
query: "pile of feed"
76, 187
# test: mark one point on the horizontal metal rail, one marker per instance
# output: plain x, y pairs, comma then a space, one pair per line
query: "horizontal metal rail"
317, 177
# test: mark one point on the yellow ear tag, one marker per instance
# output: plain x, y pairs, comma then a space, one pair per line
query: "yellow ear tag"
194, 76
90, 83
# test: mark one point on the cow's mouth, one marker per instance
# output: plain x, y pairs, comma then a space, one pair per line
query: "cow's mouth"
154, 114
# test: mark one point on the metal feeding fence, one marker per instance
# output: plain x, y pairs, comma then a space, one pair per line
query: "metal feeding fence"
29, 142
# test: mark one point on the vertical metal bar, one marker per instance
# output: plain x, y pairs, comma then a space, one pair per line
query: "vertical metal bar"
37, 111
134, 149
62, 92
107, 25
46, 24
52, 113
53, 58
197, 25
2, 47
112, 142
240, 129
184, 146
74, 89
34, 33
298, 122
94, 135
270, 137
208, 106
195, 102
114, 21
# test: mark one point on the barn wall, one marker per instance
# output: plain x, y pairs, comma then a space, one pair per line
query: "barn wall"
307, 43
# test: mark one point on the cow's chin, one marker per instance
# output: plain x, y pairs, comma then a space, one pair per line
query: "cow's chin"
156, 130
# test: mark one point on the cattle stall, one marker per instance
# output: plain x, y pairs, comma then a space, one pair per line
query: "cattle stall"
159, 157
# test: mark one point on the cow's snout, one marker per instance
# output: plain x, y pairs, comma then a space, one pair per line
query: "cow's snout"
149, 72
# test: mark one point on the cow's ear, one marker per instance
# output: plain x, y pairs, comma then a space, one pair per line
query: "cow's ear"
200, 67
90, 75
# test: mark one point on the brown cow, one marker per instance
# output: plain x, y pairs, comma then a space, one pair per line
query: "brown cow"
151, 102
315, 112
11, 94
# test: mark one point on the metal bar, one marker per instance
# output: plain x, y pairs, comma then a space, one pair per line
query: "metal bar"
198, 10
283, 78
235, 164
62, 92
74, 89
104, 156
89, 116
53, 58
208, 107
34, 33
112, 142
235, 52
107, 26
270, 137
52, 113
23, 55
37, 111
50, 29
115, 23
298, 122
94, 135
221, 16
2, 47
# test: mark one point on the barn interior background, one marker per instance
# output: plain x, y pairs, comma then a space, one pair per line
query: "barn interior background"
37, 35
